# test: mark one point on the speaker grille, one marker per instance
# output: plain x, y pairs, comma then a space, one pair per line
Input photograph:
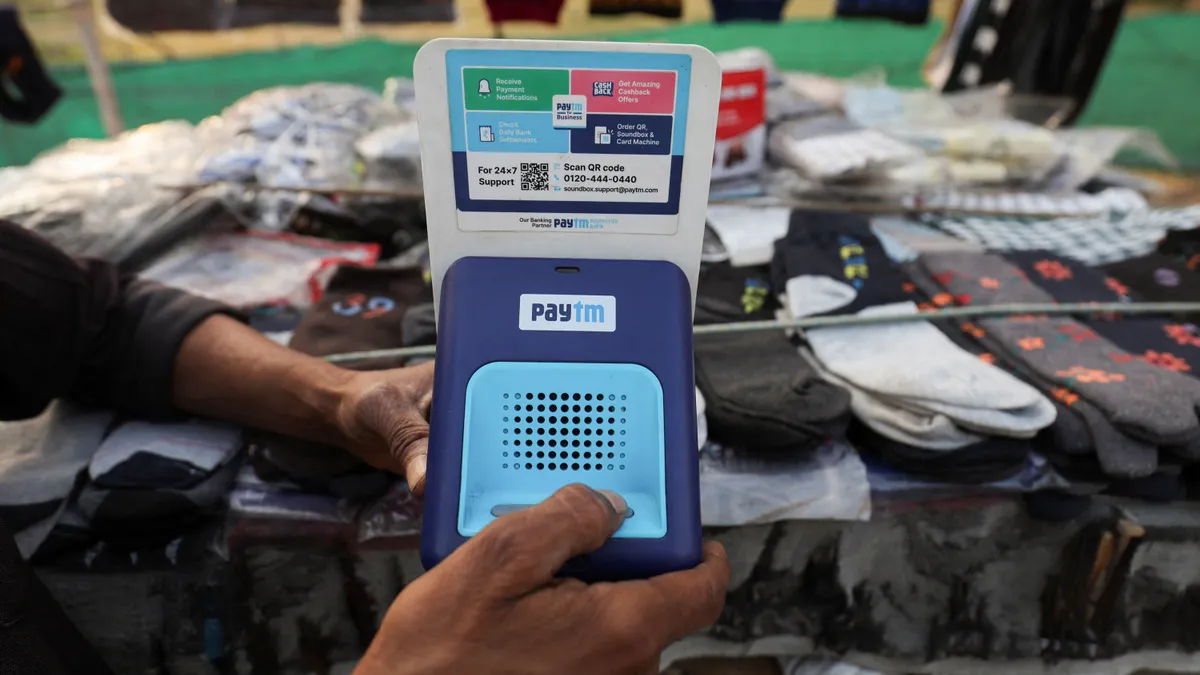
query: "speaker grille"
531, 428
564, 430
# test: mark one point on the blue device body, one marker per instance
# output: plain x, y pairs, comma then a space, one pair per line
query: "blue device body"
523, 405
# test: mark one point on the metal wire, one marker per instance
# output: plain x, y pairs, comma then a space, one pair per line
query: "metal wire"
857, 320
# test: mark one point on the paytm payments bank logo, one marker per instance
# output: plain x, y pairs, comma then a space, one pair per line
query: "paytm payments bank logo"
583, 223
586, 313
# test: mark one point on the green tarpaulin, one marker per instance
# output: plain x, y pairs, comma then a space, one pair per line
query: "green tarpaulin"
1152, 78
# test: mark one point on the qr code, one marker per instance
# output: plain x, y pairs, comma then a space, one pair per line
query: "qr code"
535, 176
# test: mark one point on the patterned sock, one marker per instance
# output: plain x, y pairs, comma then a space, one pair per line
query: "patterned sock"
832, 263
1079, 427
1149, 403
726, 293
1158, 278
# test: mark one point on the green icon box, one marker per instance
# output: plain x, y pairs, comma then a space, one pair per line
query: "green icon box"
521, 89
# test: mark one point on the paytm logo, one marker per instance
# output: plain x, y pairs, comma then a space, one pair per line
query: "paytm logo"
588, 313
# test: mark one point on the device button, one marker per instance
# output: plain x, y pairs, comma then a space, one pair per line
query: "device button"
504, 509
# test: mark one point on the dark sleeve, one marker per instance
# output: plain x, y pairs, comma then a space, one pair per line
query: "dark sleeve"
82, 330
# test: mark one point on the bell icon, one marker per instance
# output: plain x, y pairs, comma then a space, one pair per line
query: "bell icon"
485, 87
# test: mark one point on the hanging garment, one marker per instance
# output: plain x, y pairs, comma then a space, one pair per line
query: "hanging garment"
543, 11
915, 12
21, 72
747, 10
670, 9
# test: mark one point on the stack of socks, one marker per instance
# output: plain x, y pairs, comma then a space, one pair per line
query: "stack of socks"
760, 395
156, 477
726, 293
1129, 406
908, 381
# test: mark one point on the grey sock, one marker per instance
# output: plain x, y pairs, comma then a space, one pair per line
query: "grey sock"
1079, 427
931, 431
1149, 403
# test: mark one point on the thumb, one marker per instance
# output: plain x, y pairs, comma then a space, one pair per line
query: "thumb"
527, 548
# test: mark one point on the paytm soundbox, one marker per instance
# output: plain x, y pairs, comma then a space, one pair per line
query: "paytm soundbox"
566, 187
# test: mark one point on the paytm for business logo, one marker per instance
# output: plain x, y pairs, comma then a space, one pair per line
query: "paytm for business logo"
587, 313
583, 223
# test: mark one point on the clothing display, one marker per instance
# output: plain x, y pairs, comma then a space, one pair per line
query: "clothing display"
21, 71
726, 293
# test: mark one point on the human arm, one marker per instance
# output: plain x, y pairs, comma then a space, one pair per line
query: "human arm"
81, 329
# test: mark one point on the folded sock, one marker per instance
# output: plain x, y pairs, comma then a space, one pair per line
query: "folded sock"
989, 460
156, 509
21, 71
1079, 428
145, 456
747, 10
1068, 281
760, 394
362, 309
832, 263
670, 9
543, 11
726, 293
915, 362
41, 458
930, 431
1146, 402
1157, 278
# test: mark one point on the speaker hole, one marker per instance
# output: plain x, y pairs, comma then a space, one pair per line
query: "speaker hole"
529, 431
553, 396
504, 466
587, 408
587, 420
551, 466
575, 467
575, 420
575, 443
587, 455
587, 397
542, 466
563, 396
622, 397
505, 442
506, 396
553, 420
529, 396
528, 465
576, 397
529, 454
575, 408
610, 455
575, 431
622, 432
622, 444
622, 467
587, 432
622, 420
610, 467
553, 442
611, 409
610, 420
622, 455
610, 444
575, 455
553, 454
541, 408
587, 444
505, 454
541, 443
611, 397
541, 396
587, 467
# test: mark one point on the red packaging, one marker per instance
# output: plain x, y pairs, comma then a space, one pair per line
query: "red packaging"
741, 124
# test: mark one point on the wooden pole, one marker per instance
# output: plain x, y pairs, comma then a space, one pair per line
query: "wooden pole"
102, 84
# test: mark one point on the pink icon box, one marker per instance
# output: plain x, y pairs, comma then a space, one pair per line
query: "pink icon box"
648, 92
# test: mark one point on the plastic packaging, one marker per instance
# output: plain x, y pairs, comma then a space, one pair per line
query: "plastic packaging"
257, 268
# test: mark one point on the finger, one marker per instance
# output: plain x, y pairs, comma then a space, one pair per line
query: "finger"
527, 548
671, 606
414, 465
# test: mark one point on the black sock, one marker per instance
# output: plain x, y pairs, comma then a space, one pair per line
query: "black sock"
991, 460
1069, 281
829, 258
726, 294
747, 10
21, 69
1157, 278
903, 11
760, 394
362, 309
670, 9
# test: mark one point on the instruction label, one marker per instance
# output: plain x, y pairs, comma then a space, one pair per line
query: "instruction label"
567, 141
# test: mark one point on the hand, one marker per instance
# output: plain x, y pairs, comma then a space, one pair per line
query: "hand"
384, 418
494, 606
